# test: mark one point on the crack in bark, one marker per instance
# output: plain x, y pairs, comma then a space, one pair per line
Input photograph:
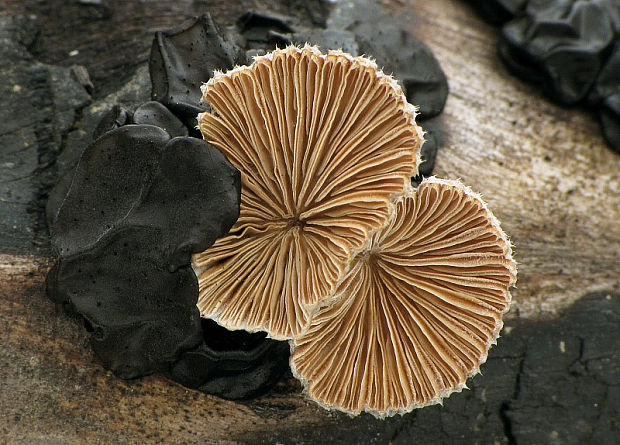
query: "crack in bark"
401, 427
577, 367
505, 406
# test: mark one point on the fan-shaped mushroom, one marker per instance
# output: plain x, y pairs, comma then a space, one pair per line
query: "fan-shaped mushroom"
417, 312
324, 144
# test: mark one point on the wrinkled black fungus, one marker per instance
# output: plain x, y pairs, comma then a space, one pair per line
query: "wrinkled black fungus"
326, 39
609, 116
124, 223
116, 117
567, 47
141, 315
560, 44
432, 139
137, 176
233, 365
154, 113
107, 184
410, 61
261, 30
185, 58
499, 11
194, 198
605, 97
608, 81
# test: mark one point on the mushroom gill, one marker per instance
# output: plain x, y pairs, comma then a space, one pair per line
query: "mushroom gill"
418, 310
325, 144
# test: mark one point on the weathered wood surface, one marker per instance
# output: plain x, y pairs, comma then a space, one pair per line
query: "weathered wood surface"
544, 171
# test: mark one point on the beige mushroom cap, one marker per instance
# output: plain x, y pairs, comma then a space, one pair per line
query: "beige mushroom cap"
325, 144
416, 314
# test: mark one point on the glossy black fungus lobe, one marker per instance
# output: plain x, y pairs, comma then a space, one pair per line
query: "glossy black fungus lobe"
568, 47
233, 365
499, 11
185, 58
141, 315
262, 30
410, 61
137, 176
106, 186
560, 44
154, 113
605, 97
116, 117
124, 224
193, 200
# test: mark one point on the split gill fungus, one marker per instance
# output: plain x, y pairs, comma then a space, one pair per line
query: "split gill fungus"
390, 296
324, 143
416, 314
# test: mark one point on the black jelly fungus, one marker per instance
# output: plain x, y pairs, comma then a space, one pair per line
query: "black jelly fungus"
142, 316
124, 223
253, 378
609, 116
177, 71
411, 62
120, 165
233, 365
154, 113
219, 338
116, 117
137, 176
194, 198
257, 27
568, 47
559, 44
608, 81
605, 98
499, 11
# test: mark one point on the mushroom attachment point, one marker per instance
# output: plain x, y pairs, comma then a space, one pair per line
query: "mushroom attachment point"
324, 144
418, 310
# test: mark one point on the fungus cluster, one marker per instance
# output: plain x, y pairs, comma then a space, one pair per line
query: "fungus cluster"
323, 143
141, 198
389, 295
